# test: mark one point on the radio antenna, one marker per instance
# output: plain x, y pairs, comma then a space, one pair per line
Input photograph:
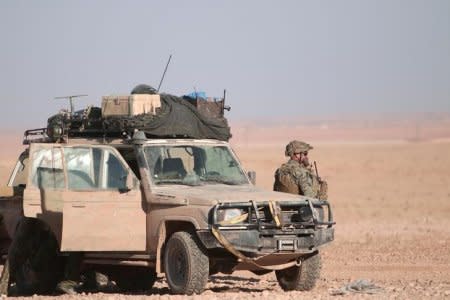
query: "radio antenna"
164, 74
70, 98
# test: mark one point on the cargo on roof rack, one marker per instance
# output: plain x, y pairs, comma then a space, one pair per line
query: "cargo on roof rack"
158, 115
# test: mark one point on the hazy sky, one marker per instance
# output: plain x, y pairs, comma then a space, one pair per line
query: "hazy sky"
275, 58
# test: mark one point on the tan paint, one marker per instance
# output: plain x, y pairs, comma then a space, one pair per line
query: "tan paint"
94, 220
100, 222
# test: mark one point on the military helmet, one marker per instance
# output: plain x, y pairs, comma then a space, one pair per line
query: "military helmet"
296, 146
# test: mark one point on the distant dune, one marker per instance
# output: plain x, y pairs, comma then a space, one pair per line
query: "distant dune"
352, 129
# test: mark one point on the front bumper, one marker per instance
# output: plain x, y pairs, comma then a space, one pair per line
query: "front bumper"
264, 242
271, 228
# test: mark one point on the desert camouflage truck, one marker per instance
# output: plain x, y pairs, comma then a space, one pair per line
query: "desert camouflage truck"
134, 206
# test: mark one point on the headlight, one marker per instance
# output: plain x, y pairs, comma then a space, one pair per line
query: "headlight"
305, 214
231, 216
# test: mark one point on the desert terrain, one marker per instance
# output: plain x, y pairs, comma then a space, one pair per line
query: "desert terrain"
389, 185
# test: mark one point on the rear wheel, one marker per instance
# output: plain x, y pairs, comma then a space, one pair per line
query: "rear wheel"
186, 264
300, 278
35, 265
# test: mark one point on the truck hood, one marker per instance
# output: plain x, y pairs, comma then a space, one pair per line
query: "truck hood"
219, 193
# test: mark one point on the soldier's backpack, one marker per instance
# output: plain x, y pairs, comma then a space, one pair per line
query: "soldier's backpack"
284, 182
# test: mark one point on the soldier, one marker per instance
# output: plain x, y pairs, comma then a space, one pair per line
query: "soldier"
296, 176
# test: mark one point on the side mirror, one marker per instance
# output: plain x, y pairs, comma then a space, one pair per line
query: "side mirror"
252, 176
129, 184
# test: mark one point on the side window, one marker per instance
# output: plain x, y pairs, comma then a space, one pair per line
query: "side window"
115, 173
82, 167
86, 168
94, 168
47, 171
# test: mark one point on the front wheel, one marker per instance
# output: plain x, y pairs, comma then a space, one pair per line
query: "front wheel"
300, 278
186, 264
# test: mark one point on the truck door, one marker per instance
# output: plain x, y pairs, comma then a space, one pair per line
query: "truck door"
99, 211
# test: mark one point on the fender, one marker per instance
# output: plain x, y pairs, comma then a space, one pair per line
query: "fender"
164, 233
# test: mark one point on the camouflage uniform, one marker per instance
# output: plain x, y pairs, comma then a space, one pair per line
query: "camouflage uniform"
295, 178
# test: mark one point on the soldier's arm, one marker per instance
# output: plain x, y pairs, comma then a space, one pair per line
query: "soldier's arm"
275, 188
305, 183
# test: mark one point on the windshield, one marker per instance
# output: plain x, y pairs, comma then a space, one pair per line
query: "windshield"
193, 165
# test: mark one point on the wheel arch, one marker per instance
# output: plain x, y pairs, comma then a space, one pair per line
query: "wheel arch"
166, 228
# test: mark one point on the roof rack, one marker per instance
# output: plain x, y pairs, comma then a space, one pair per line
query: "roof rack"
35, 136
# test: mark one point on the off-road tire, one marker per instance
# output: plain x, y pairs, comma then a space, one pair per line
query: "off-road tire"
303, 277
186, 264
130, 279
35, 266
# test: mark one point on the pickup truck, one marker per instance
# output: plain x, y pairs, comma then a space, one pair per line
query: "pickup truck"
137, 207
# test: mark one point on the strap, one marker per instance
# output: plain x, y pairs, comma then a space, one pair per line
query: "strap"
227, 245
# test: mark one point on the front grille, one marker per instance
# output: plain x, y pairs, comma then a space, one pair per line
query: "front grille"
287, 216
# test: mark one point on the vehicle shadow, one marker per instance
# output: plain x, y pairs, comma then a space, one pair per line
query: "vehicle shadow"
216, 284
229, 283
230, 279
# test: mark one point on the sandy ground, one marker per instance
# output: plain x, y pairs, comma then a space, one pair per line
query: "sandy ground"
391, 201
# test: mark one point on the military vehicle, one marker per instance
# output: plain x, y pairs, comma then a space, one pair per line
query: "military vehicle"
148, 184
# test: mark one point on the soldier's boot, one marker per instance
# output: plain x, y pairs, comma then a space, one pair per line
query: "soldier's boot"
71, 284
96, 281
70, 287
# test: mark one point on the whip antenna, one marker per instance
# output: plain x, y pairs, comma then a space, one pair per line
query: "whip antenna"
70, 98
164, 74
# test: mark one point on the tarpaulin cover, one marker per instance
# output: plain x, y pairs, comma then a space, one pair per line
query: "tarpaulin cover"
176, 118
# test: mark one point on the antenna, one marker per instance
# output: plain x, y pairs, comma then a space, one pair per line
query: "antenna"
70, 98
225, 107
164, 74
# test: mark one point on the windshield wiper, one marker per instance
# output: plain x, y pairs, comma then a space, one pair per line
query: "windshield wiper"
220, 179
187, 180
